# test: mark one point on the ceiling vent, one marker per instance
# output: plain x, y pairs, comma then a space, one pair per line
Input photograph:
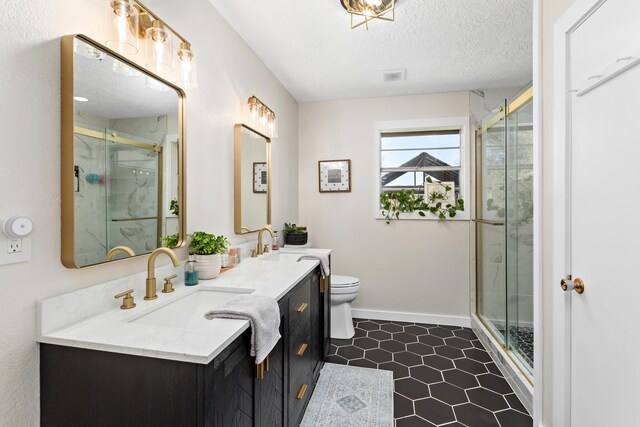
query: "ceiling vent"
394, 75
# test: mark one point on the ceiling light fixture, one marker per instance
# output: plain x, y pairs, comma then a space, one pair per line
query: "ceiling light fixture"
364, 11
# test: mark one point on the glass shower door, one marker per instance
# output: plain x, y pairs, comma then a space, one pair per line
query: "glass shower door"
519, 232
490, 228
134, 195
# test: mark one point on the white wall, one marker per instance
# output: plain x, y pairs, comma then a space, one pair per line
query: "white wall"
413, 266
229, 72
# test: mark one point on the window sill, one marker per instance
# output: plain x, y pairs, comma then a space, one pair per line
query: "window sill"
462, 216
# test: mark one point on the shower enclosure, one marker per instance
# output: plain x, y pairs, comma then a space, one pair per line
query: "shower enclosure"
504, 228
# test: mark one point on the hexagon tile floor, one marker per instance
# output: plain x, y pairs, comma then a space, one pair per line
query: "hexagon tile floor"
442, 374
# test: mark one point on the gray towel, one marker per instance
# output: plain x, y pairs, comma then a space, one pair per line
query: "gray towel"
262, 313
324, 262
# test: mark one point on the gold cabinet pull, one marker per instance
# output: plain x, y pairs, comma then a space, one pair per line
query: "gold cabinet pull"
324, 284
302, 349
127, 302
302, 307
262, 367
302, 392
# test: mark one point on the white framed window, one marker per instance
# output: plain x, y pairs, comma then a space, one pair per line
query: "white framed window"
409, 151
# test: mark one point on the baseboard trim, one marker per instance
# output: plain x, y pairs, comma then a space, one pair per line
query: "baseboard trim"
399, 316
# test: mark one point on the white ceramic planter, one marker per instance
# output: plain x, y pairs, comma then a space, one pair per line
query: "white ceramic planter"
208, 266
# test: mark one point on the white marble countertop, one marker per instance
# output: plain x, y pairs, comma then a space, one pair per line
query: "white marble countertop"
70, 319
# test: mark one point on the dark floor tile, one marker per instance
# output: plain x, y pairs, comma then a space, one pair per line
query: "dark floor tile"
391, 327
412, 388
460, 378
513, 418
399, 371
341, 343
379, 322
416, 330
449, 352
478, 355
475, 416
365, 343
431, 340
351, 352
336, 359
402, 406
377, 355
363, 363
495, 383
515, 403
437, 362
393, 346
368, 325
466, 334
456, 424
405, 337
478, 344
413, 422
407, 359
450, 327
434, 411
333, 349
493, 368
458, 343
441, 332
487, 399
360, 333
420, 349
470, 366
426, 374
448, 393
379, 335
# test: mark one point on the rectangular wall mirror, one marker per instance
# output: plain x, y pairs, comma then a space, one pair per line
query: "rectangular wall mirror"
252, 180
123, 162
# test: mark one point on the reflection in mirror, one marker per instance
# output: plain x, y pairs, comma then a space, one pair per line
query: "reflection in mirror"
252, 175
125, 152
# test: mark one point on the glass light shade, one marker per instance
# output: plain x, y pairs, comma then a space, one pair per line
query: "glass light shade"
188, 77
272, 126
374, 3
254, 112
122, 68
159, 49
88, 51
264, 117
123, 27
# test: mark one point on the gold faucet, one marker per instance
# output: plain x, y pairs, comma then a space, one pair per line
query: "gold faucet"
151, 270
124, 249
260, 249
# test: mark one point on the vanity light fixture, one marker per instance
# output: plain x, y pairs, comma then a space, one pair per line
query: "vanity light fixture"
262, 117
130, 21
364, 11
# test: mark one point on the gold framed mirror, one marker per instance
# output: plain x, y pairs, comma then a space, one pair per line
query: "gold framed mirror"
252, 180
123, 157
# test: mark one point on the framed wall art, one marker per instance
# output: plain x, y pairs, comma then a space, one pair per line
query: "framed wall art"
259, 177
334, 176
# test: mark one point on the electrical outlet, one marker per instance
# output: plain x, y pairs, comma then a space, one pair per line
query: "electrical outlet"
14, 246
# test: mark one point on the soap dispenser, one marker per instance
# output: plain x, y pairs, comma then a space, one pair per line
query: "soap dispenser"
191, 271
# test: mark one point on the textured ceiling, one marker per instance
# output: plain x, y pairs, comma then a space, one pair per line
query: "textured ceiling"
445, 45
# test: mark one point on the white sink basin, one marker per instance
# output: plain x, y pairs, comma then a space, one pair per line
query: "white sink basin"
283, 256
188, 312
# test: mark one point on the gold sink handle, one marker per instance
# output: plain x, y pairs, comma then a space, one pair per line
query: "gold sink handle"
168, 285
127, 302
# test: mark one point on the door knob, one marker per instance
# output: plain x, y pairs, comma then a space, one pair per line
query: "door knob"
572, 285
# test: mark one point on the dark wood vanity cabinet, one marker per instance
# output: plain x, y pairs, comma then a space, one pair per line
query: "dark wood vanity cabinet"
82, 387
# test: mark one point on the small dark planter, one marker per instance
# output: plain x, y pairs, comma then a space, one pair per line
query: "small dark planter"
296, 239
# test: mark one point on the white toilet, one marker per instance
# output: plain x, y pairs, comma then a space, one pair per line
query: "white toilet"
344, 289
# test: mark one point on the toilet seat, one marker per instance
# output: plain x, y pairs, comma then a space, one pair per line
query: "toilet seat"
338, 281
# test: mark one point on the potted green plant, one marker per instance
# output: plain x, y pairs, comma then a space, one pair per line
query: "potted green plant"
207, 248
295, 235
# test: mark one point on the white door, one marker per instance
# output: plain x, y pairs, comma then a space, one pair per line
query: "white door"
602, 216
